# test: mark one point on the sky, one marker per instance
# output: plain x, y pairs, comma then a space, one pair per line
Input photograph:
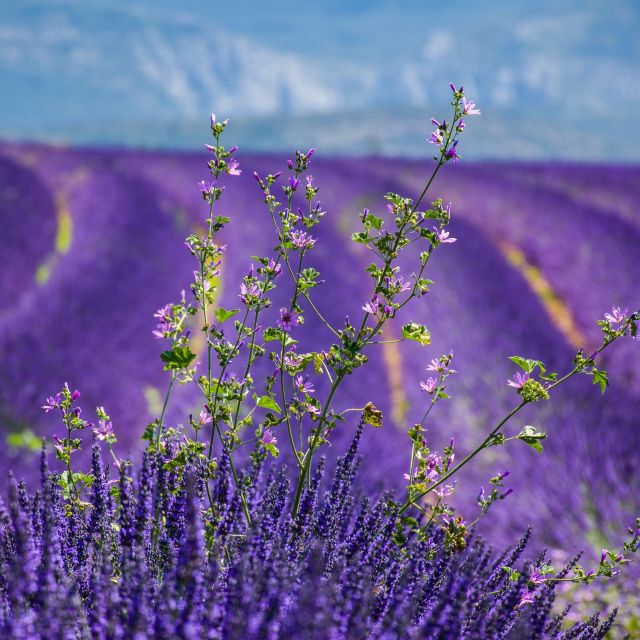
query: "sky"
554, 79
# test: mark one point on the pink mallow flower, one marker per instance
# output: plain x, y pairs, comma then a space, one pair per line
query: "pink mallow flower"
373, 306
526, 598
519, 380
287, 319
536, 576
452, 152
443, 236
617, 316
469, 108
429, 386
436, 137
233, 168
303, 385
103, 430
53, 402
301, 239
268, 437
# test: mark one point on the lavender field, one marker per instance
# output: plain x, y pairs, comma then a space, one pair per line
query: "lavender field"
92, 245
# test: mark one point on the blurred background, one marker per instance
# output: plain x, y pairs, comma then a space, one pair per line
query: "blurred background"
104, 112
556, 80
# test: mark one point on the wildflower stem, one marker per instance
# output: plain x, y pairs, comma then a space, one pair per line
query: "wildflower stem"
164, 409
306, 462
576, 369
462, 463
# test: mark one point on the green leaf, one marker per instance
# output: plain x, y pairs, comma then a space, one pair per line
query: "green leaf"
267, 402
361, 237
373, 221
530, 436
417, 332
514, 575
600, 377
528, 364
273, 333
223, 314
178, 358
409, 521
272, 449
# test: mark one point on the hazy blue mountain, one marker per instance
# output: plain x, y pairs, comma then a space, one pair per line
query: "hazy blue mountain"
553, 79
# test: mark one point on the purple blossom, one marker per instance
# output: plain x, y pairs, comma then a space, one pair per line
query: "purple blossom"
233, 167
528, 596
293, 183
248, 293
469, 108
436, 137
519, 380
53, 402
373, 306
536, 576
617, 316
444, 490
288, 319
443, 236
303, 385
268, 437
104, 430
452, 152
429, 386
301, 239
206, 187
164, 327
274, 267
312, 410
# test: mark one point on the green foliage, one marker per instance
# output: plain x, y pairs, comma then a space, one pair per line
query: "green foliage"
223, 314
417, 332
532, 437
177, 358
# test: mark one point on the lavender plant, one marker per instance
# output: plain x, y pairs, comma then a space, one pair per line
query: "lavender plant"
210, 534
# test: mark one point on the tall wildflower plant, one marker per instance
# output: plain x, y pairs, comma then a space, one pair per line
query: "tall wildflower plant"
213, 538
